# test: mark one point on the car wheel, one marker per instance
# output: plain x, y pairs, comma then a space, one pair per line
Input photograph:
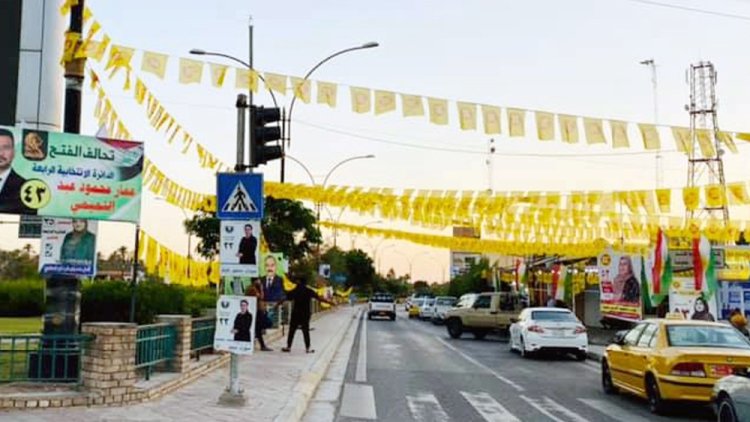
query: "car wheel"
480, 334
726, 410
581, 356
369, 317
455, 327
393, 317
607, 385
655, 403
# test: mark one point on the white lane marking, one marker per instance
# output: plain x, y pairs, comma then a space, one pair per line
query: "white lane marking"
361, 374
358, 402
481, 365
613, 411
424, 407
557, 407
489, 408
540, 408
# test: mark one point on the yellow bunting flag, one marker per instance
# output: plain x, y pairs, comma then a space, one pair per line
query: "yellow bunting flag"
491, 119
275, 82
545, 125
738, 194
385, 101
412, 105
568, 128
664, 200
154, 63
191, 71
70, 45
467, 115
593, 130
682, 139
327, 93
726, 139
743, 136
517, 122
619, 134
246, 79
715, 196
706, 143
691, 198
650, 136
218, 74
438, 111
361, 100
119, 56
302, 89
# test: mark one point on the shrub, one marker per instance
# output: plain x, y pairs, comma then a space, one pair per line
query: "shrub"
21, 298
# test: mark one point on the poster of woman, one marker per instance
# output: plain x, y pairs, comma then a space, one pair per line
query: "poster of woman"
68, 247
691, 304
620, 285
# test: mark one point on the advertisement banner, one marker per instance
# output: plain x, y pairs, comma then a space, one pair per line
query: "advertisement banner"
235, 324
56, 174
620, 284
238, 254
68, 247
683, 299
733, 296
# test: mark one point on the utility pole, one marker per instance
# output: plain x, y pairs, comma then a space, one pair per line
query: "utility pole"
652, 66
74, 74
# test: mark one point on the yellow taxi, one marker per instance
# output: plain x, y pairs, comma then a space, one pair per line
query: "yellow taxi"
672, 359
414, 307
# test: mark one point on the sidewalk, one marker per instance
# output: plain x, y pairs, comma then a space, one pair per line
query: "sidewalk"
277, 385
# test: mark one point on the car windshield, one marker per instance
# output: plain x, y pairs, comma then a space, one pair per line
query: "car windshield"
446, 302
429, 302
382, 298
705, 336
553, 316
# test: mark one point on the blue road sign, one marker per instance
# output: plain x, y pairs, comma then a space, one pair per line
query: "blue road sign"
239, 196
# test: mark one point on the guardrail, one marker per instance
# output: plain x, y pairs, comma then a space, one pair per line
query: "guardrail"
154, 345
202, 335
41, 358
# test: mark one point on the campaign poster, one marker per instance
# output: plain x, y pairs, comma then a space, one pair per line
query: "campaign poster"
55, 174
68, 247
686, 301
734, 295
235, 324
620, 285
239, 248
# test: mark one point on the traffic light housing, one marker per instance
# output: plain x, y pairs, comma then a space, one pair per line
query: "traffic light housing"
262, 132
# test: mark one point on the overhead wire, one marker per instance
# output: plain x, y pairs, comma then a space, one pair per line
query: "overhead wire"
692, 9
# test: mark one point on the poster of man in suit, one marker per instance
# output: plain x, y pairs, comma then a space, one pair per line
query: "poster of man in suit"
235, 324
239, 247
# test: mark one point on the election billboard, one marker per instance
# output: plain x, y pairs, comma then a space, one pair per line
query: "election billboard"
239, 251
620, 285
68, 247
56, 174
236, 317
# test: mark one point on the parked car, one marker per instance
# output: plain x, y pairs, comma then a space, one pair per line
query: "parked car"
442, 305
415, 306
427, 310
382, 304
731, 397
466, 300
668, 359
489, 312
548, 330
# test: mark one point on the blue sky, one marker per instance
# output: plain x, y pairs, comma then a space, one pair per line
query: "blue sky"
576, 56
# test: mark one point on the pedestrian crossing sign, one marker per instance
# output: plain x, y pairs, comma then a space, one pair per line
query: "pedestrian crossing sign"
239, 196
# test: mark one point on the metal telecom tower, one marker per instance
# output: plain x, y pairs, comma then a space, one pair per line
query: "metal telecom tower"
704, 123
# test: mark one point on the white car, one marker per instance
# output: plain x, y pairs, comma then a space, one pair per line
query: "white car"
731, 397
548, 329
442, 304
427, 310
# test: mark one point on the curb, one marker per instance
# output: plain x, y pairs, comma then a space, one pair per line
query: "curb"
308, 382
595, 356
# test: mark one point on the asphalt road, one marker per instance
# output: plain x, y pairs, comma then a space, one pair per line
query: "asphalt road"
410, 370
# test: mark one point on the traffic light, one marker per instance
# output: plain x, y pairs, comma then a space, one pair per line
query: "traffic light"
261, 134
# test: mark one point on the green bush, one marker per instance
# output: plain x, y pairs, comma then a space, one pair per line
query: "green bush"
21, 298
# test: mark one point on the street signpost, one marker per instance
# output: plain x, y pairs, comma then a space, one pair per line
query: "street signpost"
239, 196
30, 227
682, 259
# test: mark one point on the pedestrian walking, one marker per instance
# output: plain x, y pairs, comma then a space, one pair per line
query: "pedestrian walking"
262, 322
738, 321
301, 297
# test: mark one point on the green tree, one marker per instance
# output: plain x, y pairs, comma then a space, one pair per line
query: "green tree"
18, 264
360, 271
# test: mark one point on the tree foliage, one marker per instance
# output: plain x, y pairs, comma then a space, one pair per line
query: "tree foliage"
475, 280
18, 264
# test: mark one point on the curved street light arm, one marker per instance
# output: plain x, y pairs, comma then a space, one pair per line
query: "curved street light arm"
359, 157
304, 167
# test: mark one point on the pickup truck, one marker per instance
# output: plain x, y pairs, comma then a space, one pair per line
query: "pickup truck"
489, 312
382, 304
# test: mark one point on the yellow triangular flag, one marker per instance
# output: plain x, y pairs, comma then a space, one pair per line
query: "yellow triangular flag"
412, 105
191, 71
302, 89
715, 196
246, 79
545, 125
438, 111
361, 100
706, 143
619, 134
691, 198
491, 119
664, 200
568, 128
218, 74
516, 122
738, 194
385, 101
327, 93
682, 139
119, 56
275, 82
593, 130
467, 115
154, 63
650, 135
727, 140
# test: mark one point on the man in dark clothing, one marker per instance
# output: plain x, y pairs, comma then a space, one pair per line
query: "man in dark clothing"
10, 181
242, 323
248, 246
301, 297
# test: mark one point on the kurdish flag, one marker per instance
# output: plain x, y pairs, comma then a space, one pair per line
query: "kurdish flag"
563, 283
703, 267
659, 269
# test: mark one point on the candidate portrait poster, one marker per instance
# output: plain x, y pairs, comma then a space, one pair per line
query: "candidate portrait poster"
235, 324
620, 285
686, 301
55, 174
68, 247
239, 248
